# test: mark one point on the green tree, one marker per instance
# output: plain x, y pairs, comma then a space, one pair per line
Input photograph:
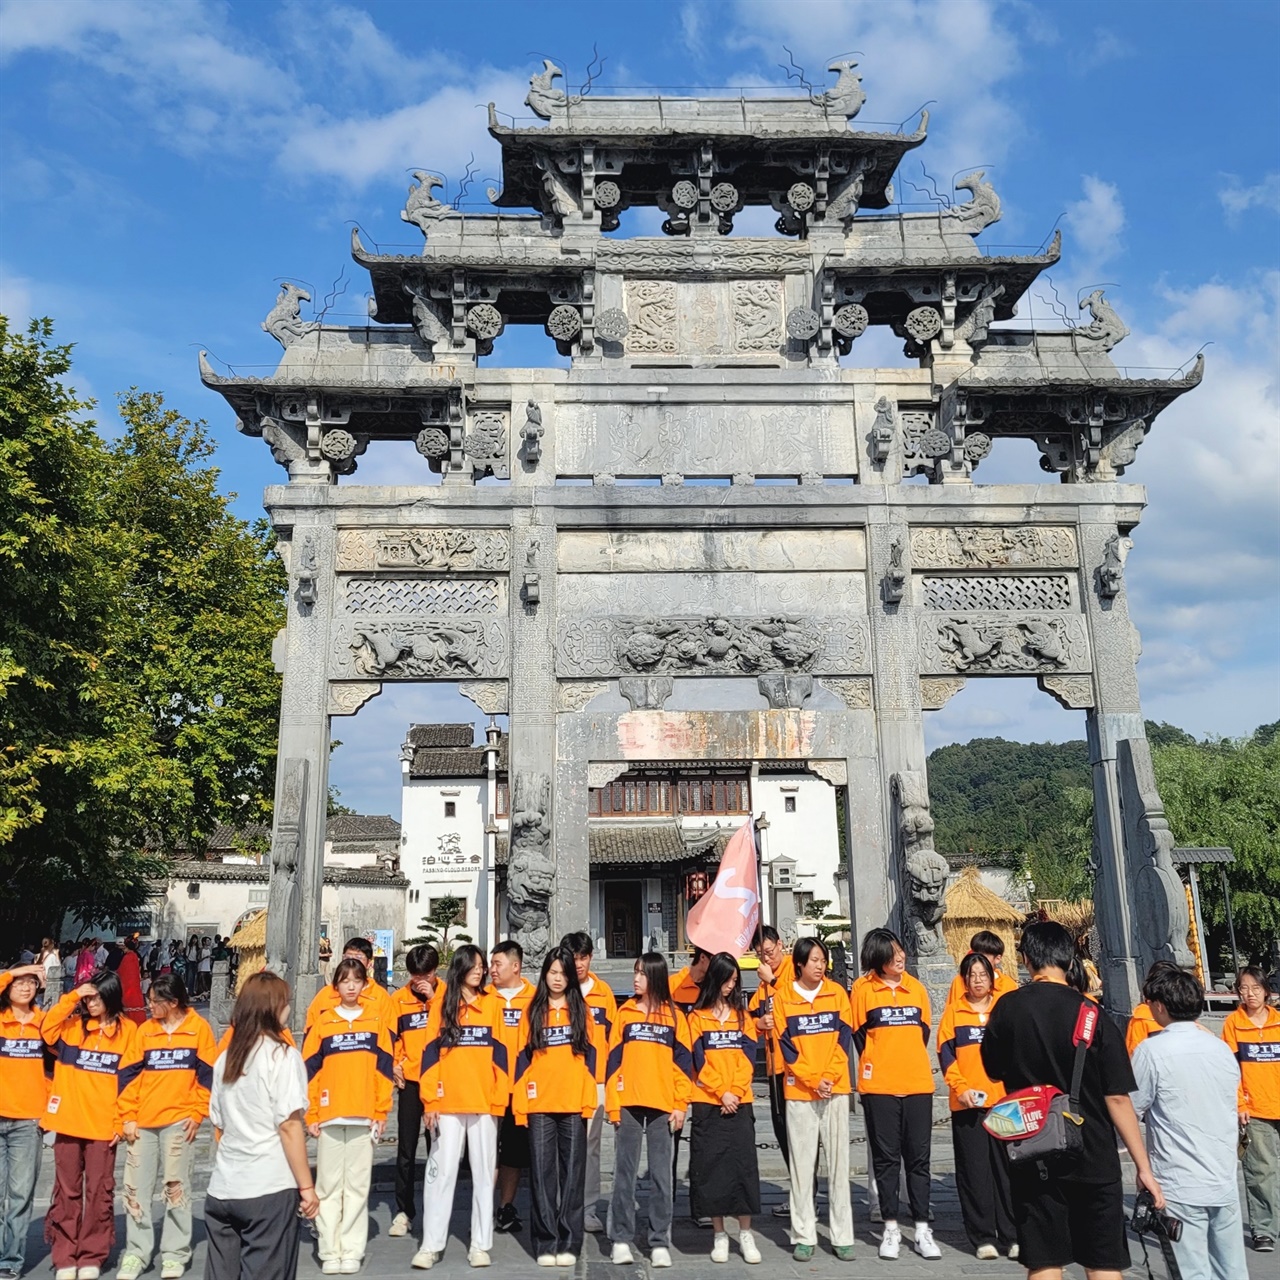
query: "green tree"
138, 702
436, 925
1227, 792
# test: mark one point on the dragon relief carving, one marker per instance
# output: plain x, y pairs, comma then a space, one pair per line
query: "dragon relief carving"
720, 644
983, 644
1106, 327
421, 207
545, 96
284, 321
531, 871
980, 212
419, 651
757, 315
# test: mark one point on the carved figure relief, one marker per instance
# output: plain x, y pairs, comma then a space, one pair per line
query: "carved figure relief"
994, 644
651, 312
1111, 570
997, 591
973, 328
427, 324
486, 442
286, 844
988, 547
757, 315
924, 870
531, 871
421, 207
284, 321
455, 550
979, 212
883, 431
1106, 328
532, 432
406, 650
894, 585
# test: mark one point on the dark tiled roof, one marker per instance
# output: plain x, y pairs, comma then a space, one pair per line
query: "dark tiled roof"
633, 843
229, 839
456, 762
360, 826
1182, 856
252, 874
441, 735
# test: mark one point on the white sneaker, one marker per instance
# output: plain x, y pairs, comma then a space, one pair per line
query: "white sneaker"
720, 1247
591, 1223
891, 1241
130, 1268
1013, 1253
331, 1267
423, 1260
63, 1273
926, 1245
478, 1257
987, 1252
399, 1225
660, 1257
747, 1242
621, 1254
171, 1270
350, 1266
88, 1273
565, 1259
546, 1259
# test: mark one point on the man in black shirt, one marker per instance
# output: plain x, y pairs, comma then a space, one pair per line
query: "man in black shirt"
1076, 1213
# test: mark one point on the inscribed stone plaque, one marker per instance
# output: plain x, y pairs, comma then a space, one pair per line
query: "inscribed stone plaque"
666, 595
710, 550
456, 550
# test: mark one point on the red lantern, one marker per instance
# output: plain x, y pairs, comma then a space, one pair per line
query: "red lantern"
696, 883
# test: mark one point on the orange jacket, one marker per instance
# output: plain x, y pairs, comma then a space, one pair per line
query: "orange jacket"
349, 1066
816, 1040
891, 1034
512, 1011
168, 1076
960, 1053
24, 1086
685, 991
84, 1101
761, 1005
1257, 1049
1004, 984
410, 1013
650, 1061
377, 997
1141, 1026
473, 1077
554, 1079
603, 1009
724, 1056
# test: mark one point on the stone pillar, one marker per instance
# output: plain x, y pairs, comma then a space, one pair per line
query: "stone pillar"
302, 764
1141, 909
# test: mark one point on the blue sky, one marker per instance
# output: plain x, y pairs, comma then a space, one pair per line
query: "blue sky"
164, 164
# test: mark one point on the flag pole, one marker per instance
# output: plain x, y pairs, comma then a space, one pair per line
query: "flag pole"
777, 1100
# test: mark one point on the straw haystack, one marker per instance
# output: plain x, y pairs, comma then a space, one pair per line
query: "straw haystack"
250, 940
1075, 917
971, 906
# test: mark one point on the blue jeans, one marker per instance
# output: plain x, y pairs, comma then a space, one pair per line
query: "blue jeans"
19, 1165
1212, 1244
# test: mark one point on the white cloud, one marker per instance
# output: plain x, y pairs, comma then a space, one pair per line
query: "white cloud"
15, 298
1095, 222
1107, 47
1237, 199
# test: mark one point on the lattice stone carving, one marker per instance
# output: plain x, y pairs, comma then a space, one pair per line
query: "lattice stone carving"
851, 321
998, 591
404, 650
937, 691
977, 643
993, 547
485, 320
924, 323
573, 695
486, 442
346, 697
564, 323
853, 691
491, 696
454, 550
422, 595
1073, 692
803, 323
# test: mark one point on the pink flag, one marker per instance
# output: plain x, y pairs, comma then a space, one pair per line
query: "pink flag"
726, 916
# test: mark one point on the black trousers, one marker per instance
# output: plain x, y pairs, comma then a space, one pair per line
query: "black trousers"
778, 1113
256, 1239
982, 1181
408, 1130
557, 1180
899, 1131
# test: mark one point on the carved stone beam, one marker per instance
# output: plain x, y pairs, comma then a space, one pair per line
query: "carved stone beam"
937, 691
646, 693
1073, 692
346, 697
853, 691
573, 695
836, 772
491, 696
602, 772
785, 690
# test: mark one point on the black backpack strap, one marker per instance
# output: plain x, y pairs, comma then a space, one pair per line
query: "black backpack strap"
1086, 1025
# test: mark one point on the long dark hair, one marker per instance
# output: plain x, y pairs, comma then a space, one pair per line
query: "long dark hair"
541, 1001
261, 1001
1047, 945
654, 967
720, 969
464, 960
108, 987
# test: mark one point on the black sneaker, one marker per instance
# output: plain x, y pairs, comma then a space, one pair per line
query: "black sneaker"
1264, 1244
782, 1210
508, 1220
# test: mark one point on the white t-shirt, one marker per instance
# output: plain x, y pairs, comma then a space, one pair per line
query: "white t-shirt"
206, 959
250, 1160
52, 963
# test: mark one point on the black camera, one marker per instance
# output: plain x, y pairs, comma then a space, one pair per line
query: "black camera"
1147, 1220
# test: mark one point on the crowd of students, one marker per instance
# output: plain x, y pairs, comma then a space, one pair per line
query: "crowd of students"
522, 1076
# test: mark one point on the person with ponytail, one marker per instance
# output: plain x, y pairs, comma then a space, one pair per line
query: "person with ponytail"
724, 1176
646, 1095
261, 1182
554, 1093
93, 1044
464, 1090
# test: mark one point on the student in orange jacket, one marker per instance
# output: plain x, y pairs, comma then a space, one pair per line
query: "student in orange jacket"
165, 1100
374, 995
465, 1088
24, 1093
891, 1017
92, 1041
724, 1177
1253, 1033
602, 1008
982, 1172
349, 1068
991, 945
646, 1094
816, 1038
775, 971
411, 1006
514, 990
554, 1093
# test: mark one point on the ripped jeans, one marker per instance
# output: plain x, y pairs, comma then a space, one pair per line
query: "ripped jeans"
166, 1153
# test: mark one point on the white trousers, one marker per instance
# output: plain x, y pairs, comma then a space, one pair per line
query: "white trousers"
344, 1170
809, 1124
479, 1136
595, 1133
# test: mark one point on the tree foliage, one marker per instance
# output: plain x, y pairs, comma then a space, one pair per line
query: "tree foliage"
436, 925
138, 701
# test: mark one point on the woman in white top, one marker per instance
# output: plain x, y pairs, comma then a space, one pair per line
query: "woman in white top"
261, 1179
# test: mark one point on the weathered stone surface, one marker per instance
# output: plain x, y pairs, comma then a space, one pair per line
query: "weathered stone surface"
711, 550
458, 550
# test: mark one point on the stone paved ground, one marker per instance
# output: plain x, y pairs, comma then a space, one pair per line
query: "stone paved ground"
390, 1257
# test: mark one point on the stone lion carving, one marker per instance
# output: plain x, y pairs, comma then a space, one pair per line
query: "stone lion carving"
924, 870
